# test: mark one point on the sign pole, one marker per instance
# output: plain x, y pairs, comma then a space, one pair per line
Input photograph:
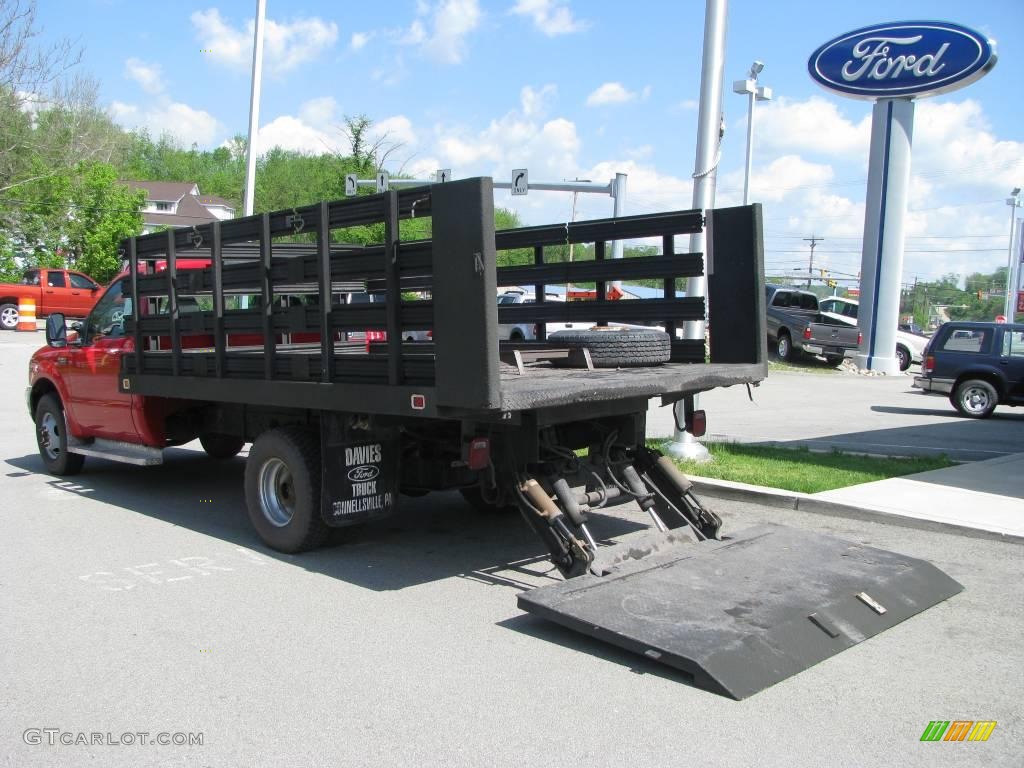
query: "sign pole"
892, 130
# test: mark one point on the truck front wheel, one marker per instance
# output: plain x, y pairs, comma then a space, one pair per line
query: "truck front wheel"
282, 489
52, 438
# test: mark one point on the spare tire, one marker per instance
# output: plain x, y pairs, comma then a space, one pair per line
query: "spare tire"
613, 347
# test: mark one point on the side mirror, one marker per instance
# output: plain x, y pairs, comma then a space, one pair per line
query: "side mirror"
56, 331
94, 288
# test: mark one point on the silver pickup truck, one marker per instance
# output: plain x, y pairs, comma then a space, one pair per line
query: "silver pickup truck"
796, 325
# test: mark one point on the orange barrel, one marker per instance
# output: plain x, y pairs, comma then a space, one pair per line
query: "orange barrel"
26, 315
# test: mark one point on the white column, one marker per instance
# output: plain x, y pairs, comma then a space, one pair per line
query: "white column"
892, 131
254, 107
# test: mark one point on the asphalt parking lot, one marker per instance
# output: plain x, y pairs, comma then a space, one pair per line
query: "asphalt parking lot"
858, 414
139, 600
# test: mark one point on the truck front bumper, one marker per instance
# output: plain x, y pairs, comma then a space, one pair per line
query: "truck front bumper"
936, 386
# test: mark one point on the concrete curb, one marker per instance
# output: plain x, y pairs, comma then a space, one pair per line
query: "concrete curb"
803, 502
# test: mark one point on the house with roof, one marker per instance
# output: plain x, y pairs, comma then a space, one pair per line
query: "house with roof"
179, 204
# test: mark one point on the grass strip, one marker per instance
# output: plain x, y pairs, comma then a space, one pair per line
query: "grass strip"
799, 469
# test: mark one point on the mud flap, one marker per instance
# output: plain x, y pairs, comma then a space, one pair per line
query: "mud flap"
740, 615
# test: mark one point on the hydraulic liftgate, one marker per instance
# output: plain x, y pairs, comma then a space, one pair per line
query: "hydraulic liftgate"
741, 614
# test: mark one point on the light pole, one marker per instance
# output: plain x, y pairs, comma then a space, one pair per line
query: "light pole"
1012, 274
254, 107
754, 93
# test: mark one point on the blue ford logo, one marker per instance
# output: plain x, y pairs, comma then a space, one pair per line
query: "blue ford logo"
363, 473
907, 58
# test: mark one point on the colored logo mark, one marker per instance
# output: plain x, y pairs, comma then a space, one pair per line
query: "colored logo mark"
958, 730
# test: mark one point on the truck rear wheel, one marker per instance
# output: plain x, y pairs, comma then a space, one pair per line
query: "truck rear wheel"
902, 357
614, 347
282, 489
52, 438
221, 446
975, 398
8, 316
784, 347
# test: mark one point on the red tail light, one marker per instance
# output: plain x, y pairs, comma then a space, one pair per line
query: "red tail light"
929, 364
807, 333
860, 338
698, 424
372, 336
479, 453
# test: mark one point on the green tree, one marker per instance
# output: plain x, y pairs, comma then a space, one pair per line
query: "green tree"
103, 213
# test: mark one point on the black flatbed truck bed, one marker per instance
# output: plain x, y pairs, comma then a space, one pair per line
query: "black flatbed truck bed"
338, 429
459, 374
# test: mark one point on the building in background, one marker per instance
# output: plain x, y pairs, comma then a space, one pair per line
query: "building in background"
179, 204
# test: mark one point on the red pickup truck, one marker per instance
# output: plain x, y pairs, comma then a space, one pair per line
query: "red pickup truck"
55, 290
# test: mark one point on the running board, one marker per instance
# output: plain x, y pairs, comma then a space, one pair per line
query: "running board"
115, 450
742, 614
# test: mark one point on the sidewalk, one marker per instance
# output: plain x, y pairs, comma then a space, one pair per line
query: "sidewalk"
982, 497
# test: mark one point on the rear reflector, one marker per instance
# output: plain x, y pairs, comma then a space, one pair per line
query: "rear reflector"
418, 402
479, 453
698, 424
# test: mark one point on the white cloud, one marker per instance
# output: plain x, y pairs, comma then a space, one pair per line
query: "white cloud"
148, 76
359, 40
815, 125
292, 133
320, 112
610, 93
551, 17
186, 124
393, 132
285, 45
443, 37
534, 101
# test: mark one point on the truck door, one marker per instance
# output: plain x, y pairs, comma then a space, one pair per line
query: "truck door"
94, 366
1012, 361
56, 293
83, 294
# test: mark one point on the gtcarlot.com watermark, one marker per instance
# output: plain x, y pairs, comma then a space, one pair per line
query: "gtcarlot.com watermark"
54, 737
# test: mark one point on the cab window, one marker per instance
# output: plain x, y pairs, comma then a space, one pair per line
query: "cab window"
107, 318
55, 279
31, 277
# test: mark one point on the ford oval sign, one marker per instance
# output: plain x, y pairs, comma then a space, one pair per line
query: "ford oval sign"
363, 473
906, 58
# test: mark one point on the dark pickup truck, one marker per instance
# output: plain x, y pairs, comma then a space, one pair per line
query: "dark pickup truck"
796, 325
553, 428
977, 365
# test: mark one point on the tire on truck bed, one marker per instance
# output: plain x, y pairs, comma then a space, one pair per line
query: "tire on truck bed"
614, 348
282, 489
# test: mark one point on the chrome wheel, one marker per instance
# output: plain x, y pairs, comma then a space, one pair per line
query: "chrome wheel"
9, 317
49, 436
277, 492
976, 400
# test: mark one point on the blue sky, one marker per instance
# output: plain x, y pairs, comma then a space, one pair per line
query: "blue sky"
581, 89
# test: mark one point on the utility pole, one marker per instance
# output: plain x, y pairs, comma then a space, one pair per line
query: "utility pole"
810, 267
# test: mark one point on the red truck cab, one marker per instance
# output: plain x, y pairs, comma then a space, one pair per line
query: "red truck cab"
54, 290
